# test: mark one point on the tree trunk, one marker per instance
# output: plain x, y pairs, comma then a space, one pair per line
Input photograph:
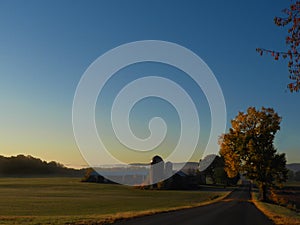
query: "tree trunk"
263, 192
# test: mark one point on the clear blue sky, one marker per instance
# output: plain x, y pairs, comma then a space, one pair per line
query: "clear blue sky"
45, 47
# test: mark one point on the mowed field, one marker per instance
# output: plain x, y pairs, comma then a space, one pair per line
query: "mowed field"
69, 201
288, 196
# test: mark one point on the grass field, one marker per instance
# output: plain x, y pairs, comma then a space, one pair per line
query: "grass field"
288, 196
279, 214
69, 201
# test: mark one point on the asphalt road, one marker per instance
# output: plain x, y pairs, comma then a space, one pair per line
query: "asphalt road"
236, 209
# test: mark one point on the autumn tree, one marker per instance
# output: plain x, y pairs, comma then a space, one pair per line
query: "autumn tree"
248, 149
291, 20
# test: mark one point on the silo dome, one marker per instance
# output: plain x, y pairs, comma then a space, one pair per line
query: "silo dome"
156, 159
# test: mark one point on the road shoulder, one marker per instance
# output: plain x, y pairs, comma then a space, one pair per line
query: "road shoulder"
278, 214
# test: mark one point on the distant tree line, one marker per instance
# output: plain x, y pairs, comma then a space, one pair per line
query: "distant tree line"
28, 166
293, 176
215, 172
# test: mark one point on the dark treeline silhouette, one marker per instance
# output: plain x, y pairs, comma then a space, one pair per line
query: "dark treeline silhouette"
28, 166
216, 171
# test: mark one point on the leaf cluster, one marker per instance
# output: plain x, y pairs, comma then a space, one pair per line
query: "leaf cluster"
291, 20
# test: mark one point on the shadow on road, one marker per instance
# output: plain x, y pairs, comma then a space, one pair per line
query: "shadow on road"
235, 209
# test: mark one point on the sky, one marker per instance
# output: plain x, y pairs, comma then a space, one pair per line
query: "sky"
46, 46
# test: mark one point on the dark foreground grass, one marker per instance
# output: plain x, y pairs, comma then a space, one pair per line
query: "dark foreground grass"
69, 201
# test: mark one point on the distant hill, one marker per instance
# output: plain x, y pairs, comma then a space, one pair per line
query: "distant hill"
186, 166
293, 166
176, 166
28, 166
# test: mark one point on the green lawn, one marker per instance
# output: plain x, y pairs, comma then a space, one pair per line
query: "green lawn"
66, 200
